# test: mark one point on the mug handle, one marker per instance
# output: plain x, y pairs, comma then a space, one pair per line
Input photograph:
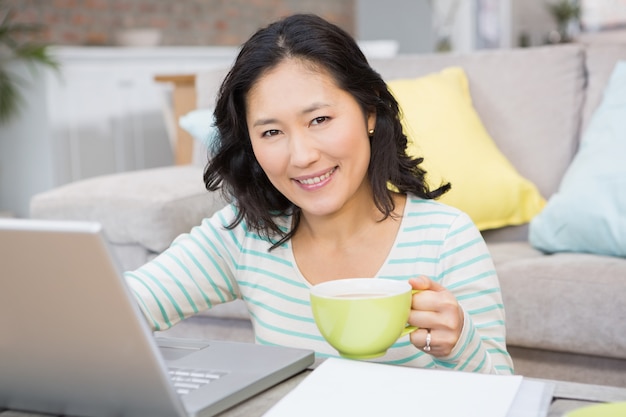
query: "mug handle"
409, 329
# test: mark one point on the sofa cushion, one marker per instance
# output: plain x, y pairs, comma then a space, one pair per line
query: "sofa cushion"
529, 100
444, 128
600, 62
587, 213
564, 302
200, 124
148, 207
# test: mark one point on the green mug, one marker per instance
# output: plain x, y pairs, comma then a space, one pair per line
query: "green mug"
362, 317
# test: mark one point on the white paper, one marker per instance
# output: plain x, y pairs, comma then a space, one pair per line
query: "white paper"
341, 387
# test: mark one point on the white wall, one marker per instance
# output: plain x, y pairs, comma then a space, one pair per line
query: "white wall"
103, 114
26, 165
407, 21
411, 23
531, 17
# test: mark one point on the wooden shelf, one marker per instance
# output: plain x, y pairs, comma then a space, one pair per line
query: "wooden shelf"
184, 101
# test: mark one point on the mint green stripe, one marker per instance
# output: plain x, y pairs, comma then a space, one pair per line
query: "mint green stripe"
495, 339
460, 248
166, 292
217, 266
285, 331
466, 263
420, 243
219, 238
407, 359
424, 202
327, 355
432, 213
403, 343
413, 260
490, 324
426, 227
155, 324
505, 368
470, 280
182, 266
398, 277
273, 275
161, 308
256, 236
468, 361
268, 256
477, 294
274, 293
461, 229
402, 361
230, 232
180, 286
206, 275
447, 365
486, 309
470, 337
498, 351
481, 365
280, 312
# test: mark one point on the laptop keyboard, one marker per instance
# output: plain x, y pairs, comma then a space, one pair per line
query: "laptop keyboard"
189, 380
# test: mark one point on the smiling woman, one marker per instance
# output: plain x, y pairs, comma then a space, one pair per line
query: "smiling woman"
312, 144
309, 142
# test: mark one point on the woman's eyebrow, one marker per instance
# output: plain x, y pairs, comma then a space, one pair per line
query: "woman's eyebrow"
263, 122
313, 107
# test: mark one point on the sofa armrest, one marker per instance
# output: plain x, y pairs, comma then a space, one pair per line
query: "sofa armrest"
147, 207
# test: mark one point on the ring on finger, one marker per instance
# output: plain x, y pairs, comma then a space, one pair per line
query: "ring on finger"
427, 345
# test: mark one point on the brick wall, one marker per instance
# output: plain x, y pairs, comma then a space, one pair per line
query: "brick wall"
181, 22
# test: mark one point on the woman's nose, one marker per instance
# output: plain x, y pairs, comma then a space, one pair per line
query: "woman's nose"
303, 149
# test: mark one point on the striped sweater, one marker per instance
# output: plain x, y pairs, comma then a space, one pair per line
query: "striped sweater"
212, 265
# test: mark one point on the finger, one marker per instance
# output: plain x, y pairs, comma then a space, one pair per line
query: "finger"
430, 300
422, 339
423, 283
423, 319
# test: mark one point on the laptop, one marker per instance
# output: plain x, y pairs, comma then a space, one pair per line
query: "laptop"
74, 342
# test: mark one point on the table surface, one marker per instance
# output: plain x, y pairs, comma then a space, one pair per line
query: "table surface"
567, 396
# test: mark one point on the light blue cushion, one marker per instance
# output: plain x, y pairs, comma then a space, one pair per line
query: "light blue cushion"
588, 213
200, 124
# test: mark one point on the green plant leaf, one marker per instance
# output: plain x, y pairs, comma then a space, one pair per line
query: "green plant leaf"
9, 97
12, 50
36, 53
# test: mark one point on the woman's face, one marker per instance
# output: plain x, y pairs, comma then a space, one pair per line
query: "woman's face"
310, 137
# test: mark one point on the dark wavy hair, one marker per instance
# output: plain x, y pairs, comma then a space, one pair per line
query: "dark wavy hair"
233, 167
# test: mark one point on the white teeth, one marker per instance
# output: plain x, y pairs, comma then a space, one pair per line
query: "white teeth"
315, 180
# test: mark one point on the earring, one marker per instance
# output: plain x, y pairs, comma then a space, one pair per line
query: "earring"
371, 132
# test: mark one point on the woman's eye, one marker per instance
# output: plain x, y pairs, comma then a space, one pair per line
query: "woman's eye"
319, 120
271, 132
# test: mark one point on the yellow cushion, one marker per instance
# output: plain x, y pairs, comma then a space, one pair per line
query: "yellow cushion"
443, 127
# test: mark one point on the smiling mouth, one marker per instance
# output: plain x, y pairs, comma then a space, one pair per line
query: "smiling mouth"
317, 180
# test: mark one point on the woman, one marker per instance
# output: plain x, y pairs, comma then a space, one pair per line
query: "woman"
309, 150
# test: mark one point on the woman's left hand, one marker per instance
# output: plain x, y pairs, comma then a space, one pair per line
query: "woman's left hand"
434, 310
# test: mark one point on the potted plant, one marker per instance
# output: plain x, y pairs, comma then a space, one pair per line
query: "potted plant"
13, 48
566, 14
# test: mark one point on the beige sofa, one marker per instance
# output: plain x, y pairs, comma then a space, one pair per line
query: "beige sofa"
566, 317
